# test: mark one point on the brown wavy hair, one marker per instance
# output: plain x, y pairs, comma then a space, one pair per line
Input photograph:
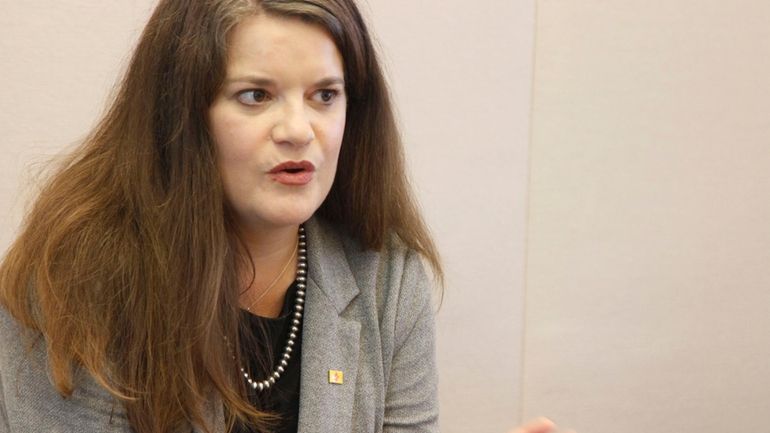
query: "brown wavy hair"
127, 261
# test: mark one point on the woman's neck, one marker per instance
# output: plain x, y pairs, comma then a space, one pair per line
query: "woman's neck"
273, 255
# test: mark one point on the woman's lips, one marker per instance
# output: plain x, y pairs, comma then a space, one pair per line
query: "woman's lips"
293, 172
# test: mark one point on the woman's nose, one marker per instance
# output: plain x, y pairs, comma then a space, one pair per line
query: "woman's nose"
293, 126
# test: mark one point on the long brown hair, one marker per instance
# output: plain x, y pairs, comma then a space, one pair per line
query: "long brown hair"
127, 262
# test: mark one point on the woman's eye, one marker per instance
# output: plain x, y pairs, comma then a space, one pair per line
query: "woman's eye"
253, 97
326, 96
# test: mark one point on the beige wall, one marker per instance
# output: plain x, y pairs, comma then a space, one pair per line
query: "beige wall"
641, 233
648, 282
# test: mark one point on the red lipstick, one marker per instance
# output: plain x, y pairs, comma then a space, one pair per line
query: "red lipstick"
293, 172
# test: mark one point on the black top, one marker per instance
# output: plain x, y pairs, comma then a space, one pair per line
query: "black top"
283, 397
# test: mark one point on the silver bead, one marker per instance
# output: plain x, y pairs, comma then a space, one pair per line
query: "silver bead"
287, 349
280, 369
295, 322
292, 336
301, 279
260, 386
297, 315
290, 343
287, 356
271, 381
300, 293
276, 375
300, 301
284, 364
298, 307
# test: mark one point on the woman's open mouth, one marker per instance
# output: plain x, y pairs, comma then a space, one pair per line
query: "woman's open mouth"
293, 172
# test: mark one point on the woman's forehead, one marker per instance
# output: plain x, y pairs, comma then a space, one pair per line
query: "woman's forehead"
269, 44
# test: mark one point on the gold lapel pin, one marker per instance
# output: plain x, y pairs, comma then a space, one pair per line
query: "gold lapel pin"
336, 377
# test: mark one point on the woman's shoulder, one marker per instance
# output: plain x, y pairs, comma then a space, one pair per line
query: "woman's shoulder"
13, 339
391, 280
29, 400
336, 248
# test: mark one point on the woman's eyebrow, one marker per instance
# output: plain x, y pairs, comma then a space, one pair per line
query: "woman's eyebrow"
330, 81
267, 82
253, 79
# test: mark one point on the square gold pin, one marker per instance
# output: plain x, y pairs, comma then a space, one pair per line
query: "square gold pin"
336, 377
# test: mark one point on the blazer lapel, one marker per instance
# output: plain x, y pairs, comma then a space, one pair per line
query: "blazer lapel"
330, 342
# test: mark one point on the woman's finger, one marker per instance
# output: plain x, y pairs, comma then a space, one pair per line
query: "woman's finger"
537, 425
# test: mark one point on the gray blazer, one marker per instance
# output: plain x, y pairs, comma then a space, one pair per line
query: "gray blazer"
367, 314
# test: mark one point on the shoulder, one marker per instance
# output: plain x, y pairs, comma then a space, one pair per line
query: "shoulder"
394, 268
336, 243
29, 400
18, 346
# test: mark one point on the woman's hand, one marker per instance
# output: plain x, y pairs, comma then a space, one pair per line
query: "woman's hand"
538, 425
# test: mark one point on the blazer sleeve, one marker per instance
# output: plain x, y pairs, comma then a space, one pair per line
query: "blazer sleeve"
411, 399
4, 427
30, 403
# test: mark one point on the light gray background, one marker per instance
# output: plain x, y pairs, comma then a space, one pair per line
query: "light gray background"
623, 285
648, 283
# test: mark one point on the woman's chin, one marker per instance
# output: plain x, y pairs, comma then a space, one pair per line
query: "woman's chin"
277, 220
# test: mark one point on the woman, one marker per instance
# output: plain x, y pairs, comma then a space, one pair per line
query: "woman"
233, 248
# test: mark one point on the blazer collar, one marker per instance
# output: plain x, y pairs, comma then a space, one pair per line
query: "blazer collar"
328, 264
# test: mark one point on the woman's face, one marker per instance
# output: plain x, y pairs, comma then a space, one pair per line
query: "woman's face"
278, 120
